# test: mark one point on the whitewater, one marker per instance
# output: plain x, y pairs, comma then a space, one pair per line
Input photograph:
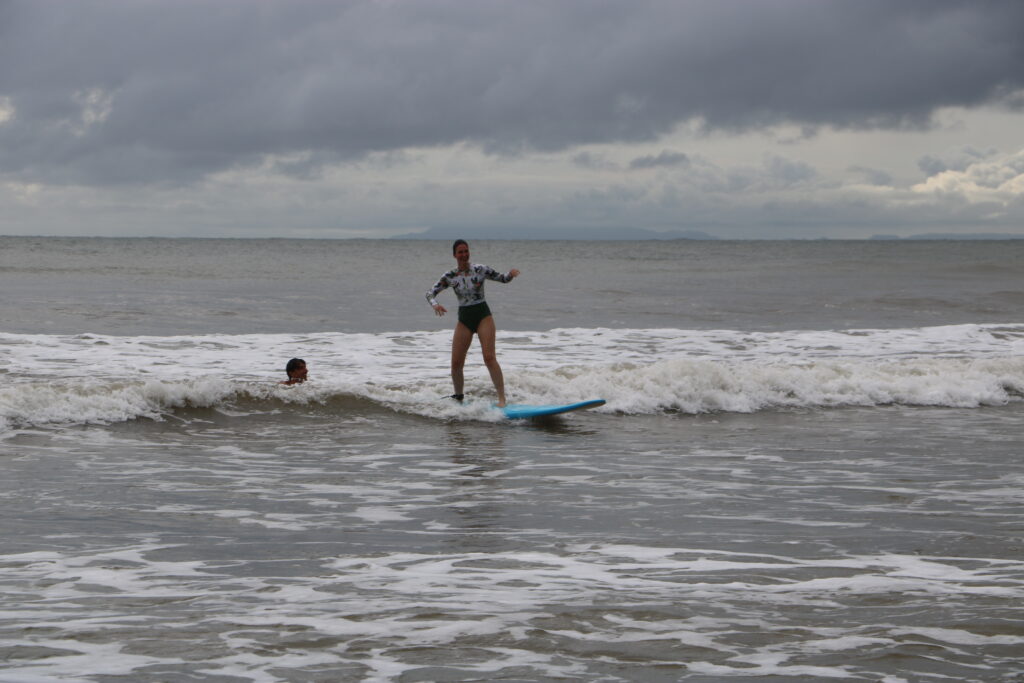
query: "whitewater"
91, 378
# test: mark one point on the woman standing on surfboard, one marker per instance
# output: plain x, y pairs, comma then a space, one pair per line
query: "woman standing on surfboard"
467, 279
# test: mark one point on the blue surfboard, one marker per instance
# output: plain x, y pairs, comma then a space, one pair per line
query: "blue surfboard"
522, 411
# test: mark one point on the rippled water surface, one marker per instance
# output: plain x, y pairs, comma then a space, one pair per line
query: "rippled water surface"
770, 493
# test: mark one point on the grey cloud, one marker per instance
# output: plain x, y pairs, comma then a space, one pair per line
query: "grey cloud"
119, 91
953, 160
787, 172
665, 158
775, 173
591, 160
872, 176
931, 165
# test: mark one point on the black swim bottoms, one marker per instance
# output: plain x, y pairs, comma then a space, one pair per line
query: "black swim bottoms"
470, 316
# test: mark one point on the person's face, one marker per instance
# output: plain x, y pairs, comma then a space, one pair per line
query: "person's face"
462, 254
298, 373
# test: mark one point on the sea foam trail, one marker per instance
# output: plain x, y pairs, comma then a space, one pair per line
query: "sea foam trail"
89, 378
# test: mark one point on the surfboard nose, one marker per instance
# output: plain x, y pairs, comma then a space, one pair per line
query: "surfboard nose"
522, 411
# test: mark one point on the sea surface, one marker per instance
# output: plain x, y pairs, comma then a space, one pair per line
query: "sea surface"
809, 466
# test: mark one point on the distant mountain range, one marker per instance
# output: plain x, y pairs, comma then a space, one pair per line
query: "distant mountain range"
630, 234
556, 234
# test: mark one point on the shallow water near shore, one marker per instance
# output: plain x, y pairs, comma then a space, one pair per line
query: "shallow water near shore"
771, 496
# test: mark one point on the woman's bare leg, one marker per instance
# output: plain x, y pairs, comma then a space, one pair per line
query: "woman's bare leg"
461, 340
487, 332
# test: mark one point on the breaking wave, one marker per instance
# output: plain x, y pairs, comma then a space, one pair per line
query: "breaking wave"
688, 386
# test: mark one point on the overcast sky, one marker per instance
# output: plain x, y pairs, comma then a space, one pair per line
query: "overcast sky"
741, 119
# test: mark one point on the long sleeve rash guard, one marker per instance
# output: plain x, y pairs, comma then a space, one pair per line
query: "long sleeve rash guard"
468, 285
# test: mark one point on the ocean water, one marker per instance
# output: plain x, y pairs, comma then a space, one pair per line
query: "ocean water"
808, 467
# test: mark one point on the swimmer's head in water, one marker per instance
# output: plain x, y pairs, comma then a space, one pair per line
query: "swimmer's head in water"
296, 369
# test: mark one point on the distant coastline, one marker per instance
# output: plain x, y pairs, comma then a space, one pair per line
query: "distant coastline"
623, 234
559, 234
533, 234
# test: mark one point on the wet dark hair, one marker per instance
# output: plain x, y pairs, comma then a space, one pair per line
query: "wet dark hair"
293, 365
456, 245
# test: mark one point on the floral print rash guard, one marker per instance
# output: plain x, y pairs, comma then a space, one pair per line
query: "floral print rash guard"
467, 284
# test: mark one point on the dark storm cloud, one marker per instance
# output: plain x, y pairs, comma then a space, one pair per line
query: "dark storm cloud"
139, 91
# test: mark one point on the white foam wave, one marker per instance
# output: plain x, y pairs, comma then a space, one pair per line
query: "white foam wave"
80, 401
88, 378
711, 386
719, 613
